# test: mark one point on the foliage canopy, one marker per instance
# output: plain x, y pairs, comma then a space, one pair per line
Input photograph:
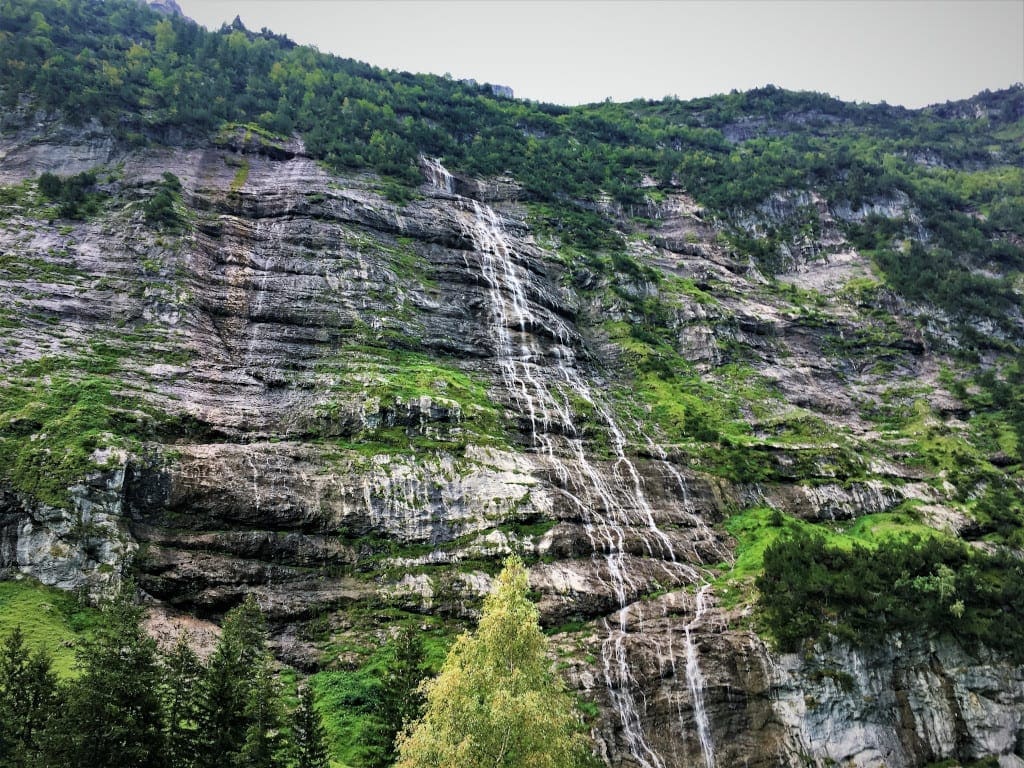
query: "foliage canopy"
496, 701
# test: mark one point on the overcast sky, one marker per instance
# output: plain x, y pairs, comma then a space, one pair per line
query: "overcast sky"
577, 51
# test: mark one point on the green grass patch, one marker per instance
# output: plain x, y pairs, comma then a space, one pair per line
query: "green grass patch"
24, 199
387, 380
52, 620
406, 262
348, 699
18, 267
249, 133
870, 338
945, 449
241, 174
711, 415
53, 419
681, 403
685, 286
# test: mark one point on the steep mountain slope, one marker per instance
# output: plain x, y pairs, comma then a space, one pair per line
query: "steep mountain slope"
672, 343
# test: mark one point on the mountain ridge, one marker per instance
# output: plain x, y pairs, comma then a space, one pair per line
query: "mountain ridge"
241, 364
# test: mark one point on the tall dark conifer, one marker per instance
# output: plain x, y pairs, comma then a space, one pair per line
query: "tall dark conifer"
309, 739
399, 700
265, 745
28, 691
112, 717
228, 686
182, 675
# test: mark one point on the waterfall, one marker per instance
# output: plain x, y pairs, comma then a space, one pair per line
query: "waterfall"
695, 679
439, 175
609, 504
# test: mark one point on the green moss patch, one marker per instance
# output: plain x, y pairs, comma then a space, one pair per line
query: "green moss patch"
51, 427
389, 379
52, 620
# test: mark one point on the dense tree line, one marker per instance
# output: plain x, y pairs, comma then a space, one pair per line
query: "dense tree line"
132, 706
495, 702
811, 589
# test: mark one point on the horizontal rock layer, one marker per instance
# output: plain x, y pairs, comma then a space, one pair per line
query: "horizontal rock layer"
367, 405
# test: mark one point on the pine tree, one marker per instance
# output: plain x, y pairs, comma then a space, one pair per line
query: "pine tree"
496, 701
28, 693
227, 686
112, 717
399, 700
182, 674
309, 739
264, 745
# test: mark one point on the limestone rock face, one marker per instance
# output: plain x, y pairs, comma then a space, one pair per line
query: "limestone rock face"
85, 546
905, 703
352, 406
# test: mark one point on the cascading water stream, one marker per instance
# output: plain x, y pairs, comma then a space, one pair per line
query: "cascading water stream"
439, 175
618, 505
695, 679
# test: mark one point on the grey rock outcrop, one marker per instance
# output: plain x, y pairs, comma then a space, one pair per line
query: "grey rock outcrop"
84, 546
365, 404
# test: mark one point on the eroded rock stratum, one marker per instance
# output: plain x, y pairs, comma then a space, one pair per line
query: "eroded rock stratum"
355, 408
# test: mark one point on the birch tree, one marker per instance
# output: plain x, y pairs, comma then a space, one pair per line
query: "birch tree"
496, 703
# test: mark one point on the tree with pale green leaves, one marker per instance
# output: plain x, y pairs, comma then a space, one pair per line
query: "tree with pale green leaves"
496, 701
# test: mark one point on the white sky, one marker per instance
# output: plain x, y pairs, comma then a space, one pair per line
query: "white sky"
912, 52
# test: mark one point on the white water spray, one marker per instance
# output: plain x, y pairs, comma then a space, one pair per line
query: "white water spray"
439, 175
695, 679
617, 504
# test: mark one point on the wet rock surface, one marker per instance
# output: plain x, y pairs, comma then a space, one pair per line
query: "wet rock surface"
306, 466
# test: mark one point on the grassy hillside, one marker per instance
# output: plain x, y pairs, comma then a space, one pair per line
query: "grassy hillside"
51, 619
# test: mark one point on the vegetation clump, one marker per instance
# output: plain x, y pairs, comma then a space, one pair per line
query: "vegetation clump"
76, 196
163, 208
811, 589
496, 700
128, 705
50, 431
365, 709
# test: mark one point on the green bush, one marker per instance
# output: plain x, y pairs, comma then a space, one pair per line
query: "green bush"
810, 589
162, 209
76, 195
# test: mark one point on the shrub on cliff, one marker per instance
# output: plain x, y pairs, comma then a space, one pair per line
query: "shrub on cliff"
811, 589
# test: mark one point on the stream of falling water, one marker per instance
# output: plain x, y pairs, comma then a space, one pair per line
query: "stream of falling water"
695, 680
514, 327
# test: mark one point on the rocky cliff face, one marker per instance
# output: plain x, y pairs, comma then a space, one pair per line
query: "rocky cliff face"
352, 407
